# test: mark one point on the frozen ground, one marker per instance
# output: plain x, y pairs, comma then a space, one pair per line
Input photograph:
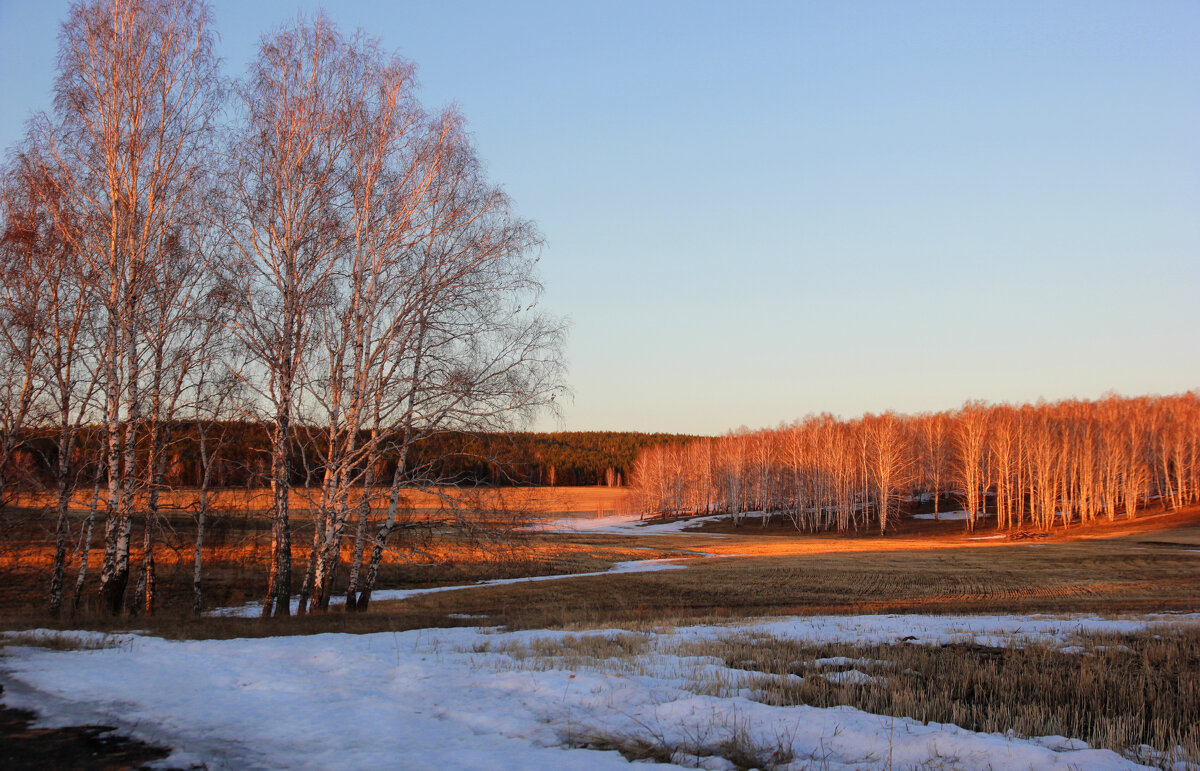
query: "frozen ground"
475, 698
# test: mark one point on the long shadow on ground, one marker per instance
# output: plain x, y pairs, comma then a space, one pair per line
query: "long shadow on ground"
25, 748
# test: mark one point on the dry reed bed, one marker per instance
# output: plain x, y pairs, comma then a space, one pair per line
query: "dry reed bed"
1136, 694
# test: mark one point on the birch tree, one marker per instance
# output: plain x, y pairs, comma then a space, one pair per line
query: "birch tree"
43, 277
135, 99
466, 348
932, 451
25, 238
970, 446
1068, 460
887, 461
285, 170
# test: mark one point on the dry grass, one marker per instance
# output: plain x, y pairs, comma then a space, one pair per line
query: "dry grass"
1091, 576
1138, 694
534, 500
237, 542
237, 548
739, 749
236, 574
58, 640
585, 651
1147, 570
1109, 697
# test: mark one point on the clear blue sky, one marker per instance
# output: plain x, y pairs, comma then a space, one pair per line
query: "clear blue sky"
759, 210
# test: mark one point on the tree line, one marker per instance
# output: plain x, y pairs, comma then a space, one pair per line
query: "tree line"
1032, 465
515, 458
572, 458
306, 248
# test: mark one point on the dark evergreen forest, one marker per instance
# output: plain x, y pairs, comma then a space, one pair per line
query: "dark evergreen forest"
565, 458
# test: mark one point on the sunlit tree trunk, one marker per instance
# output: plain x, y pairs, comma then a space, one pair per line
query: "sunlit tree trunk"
136, 94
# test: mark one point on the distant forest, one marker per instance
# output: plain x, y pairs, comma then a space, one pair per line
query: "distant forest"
1030, 465
565, 458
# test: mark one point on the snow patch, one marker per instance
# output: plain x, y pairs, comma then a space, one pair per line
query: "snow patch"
851, 677
625, 525
454, 698
252, 609
951, 516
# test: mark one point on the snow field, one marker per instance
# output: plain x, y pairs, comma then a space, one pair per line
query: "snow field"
487, 699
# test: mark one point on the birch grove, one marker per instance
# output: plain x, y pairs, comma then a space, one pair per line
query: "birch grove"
1032, 466
306, 249
123, 155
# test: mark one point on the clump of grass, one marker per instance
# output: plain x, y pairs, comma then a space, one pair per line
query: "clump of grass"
635, 749
1138, 694
59, 640
608, 651
735, 749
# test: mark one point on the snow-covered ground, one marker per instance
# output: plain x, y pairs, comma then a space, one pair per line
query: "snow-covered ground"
624, 525
477, 698
249, 610
951, 516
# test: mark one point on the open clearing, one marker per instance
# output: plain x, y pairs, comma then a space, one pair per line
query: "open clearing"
765, 648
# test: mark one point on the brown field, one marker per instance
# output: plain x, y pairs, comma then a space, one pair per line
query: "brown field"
1155, 566
1150, 564
603, 501
237, 544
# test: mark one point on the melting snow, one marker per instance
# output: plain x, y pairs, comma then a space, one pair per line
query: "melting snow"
951, 516
249, 610
625, 525
453, 698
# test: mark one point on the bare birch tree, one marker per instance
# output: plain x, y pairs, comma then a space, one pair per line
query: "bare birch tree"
45, 277
135, 98
24, 298
465, 348
285, 169
887, 460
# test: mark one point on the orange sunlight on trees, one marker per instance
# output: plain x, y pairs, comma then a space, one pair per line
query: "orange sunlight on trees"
1031, 466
